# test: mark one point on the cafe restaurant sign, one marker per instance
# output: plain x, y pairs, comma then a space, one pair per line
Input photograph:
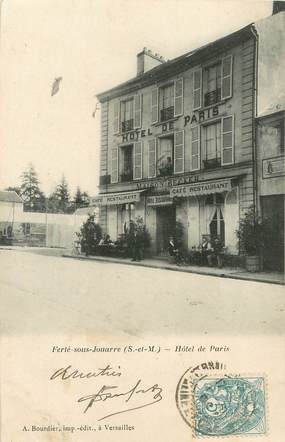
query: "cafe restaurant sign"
109, 199
202, 188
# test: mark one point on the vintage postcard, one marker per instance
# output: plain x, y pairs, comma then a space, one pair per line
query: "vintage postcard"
142, 221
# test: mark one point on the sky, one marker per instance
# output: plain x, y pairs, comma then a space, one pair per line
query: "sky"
92, 45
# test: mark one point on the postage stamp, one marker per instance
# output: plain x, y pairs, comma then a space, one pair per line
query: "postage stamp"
221, 405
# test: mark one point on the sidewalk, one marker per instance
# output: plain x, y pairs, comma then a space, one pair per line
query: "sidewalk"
233, 273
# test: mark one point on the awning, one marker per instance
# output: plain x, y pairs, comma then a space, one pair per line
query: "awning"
202, 188
112, 199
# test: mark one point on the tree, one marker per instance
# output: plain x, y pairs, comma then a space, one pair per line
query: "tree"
81, 199
59, 200
34, 198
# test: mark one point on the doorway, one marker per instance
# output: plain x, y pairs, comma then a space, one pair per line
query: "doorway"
165, 227
273, 210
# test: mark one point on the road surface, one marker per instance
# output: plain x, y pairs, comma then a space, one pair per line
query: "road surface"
46, 294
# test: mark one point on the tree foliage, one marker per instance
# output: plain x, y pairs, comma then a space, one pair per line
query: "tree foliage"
34, 198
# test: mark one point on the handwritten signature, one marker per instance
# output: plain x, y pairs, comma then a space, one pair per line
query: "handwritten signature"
69, 373
136, 396
104, 394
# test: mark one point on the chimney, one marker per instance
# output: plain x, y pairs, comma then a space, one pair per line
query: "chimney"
278, 6
146, 60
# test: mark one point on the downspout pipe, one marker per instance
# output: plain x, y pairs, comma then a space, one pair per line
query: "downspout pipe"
254, 130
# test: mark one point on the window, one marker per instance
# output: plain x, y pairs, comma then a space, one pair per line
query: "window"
195, 148
127, 114
218, 143
217, 223
130, 162
126, 163
212, 145
213, 83
167, 101
165, 156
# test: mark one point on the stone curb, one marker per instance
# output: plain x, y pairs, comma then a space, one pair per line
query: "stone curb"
230, 275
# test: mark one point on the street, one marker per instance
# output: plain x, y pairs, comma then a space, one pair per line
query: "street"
50, 294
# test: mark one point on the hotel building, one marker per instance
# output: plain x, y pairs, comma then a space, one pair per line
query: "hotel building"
178, 143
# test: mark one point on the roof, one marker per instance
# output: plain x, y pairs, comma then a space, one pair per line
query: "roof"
179, 64
10, 196
85, 210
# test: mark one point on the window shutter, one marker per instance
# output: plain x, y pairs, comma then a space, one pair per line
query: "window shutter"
197, 89
227, 70
179, 152
178, 97
114, 162
152, 158
138, 155
116, 117
195, 148
138, 111
154, 105
227, 140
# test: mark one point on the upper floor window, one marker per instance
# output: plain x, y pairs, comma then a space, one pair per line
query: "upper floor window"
166, 105
166, 155
127, 162
213, 143
127, 114
213, 83
167, 101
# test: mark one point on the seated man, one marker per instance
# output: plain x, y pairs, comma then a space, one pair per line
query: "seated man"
217, 251
174, 251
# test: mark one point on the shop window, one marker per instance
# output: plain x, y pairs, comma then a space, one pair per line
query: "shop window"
216, 220
167, 101
212, 83
212, 145
215, 198
217, 225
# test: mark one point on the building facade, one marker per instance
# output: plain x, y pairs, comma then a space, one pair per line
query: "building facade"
178, 143
270, 174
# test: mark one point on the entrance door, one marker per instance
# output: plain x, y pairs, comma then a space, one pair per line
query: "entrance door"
166, 219
273, 210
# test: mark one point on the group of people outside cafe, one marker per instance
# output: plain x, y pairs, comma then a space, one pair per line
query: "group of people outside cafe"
209, 252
